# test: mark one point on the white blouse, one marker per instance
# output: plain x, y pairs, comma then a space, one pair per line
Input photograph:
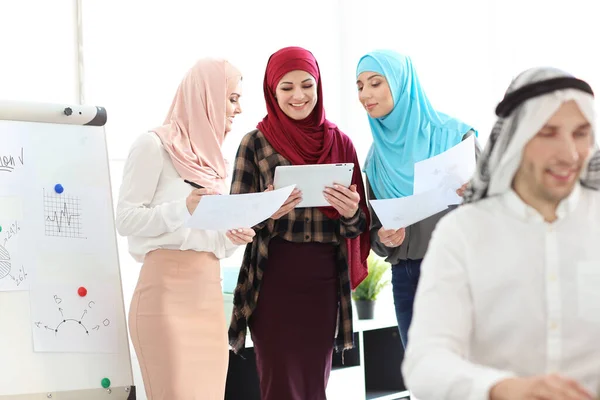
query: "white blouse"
152, 210
504, 293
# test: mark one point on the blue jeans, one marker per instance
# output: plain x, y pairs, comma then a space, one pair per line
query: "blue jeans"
405, 277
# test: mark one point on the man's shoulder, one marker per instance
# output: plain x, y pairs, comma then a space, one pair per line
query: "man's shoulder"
592, 195
477, 208
470, 215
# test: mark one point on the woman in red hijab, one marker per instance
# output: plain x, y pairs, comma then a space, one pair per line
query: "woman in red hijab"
295, 281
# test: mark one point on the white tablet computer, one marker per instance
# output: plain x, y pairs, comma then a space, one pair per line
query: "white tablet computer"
311, 180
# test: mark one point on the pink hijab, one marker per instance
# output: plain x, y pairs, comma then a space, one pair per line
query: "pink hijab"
194, 128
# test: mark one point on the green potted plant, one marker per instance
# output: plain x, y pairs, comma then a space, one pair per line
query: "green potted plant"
366, 293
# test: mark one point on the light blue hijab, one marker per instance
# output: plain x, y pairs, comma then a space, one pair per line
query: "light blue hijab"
413, 131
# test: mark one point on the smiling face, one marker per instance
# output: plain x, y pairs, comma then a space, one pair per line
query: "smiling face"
374, 94
553, 160
296, 94
232, 105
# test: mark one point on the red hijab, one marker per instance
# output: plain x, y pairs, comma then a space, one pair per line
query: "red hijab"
313, 140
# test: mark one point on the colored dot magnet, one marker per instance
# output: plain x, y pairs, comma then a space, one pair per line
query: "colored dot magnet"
0, 228
82, 291
105, 383
58, 188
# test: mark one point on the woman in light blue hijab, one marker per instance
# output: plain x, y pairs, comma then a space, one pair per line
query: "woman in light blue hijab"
406, 129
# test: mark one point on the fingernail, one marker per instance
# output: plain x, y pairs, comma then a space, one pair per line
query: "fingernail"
239, 230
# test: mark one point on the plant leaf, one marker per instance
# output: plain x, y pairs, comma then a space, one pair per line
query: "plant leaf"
376, 280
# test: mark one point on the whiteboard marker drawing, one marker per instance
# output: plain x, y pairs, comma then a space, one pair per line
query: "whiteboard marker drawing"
61, 322
11, 269
8, 162
5, 265
62, 215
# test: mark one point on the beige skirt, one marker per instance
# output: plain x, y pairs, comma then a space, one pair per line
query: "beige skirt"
178, 328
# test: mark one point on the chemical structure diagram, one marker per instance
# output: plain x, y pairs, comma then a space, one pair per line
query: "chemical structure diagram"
89, 324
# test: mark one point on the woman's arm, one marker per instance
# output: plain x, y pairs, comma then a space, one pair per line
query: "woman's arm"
135, 215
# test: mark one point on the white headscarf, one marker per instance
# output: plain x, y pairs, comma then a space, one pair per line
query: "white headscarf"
502, 155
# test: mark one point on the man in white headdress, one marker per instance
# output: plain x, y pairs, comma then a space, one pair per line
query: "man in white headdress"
508, 306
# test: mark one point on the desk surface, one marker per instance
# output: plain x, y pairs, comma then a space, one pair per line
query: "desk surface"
380, 321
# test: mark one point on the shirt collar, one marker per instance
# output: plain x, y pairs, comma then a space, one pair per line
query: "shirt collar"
524, 211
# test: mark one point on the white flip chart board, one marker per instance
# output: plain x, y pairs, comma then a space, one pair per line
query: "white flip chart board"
63, 332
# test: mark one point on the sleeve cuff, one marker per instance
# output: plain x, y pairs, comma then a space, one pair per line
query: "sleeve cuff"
353, 220
228, 247
484, 382
260, 225
176, 214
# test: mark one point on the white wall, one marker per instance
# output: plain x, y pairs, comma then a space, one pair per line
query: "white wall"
134, 64
467, 51
37, 51
136, 52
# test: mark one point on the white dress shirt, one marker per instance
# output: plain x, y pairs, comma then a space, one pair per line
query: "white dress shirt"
152, 210
503, 293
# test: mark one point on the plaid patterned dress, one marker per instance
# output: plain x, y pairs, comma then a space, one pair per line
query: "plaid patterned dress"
254, 170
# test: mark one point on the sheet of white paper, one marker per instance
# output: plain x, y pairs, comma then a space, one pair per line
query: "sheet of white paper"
15, 265
405, 211
220, 213
63, 321
15, 163
447, 171
76, 220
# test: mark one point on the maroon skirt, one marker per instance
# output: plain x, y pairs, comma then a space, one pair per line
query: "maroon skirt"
293, 325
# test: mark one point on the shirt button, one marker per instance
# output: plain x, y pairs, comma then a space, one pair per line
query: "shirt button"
553, 325
307, 237
307, 219
552, 278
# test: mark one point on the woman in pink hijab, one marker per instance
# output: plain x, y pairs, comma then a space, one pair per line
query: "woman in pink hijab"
177, 320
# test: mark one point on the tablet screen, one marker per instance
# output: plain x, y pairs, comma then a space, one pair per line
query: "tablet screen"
311, 180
